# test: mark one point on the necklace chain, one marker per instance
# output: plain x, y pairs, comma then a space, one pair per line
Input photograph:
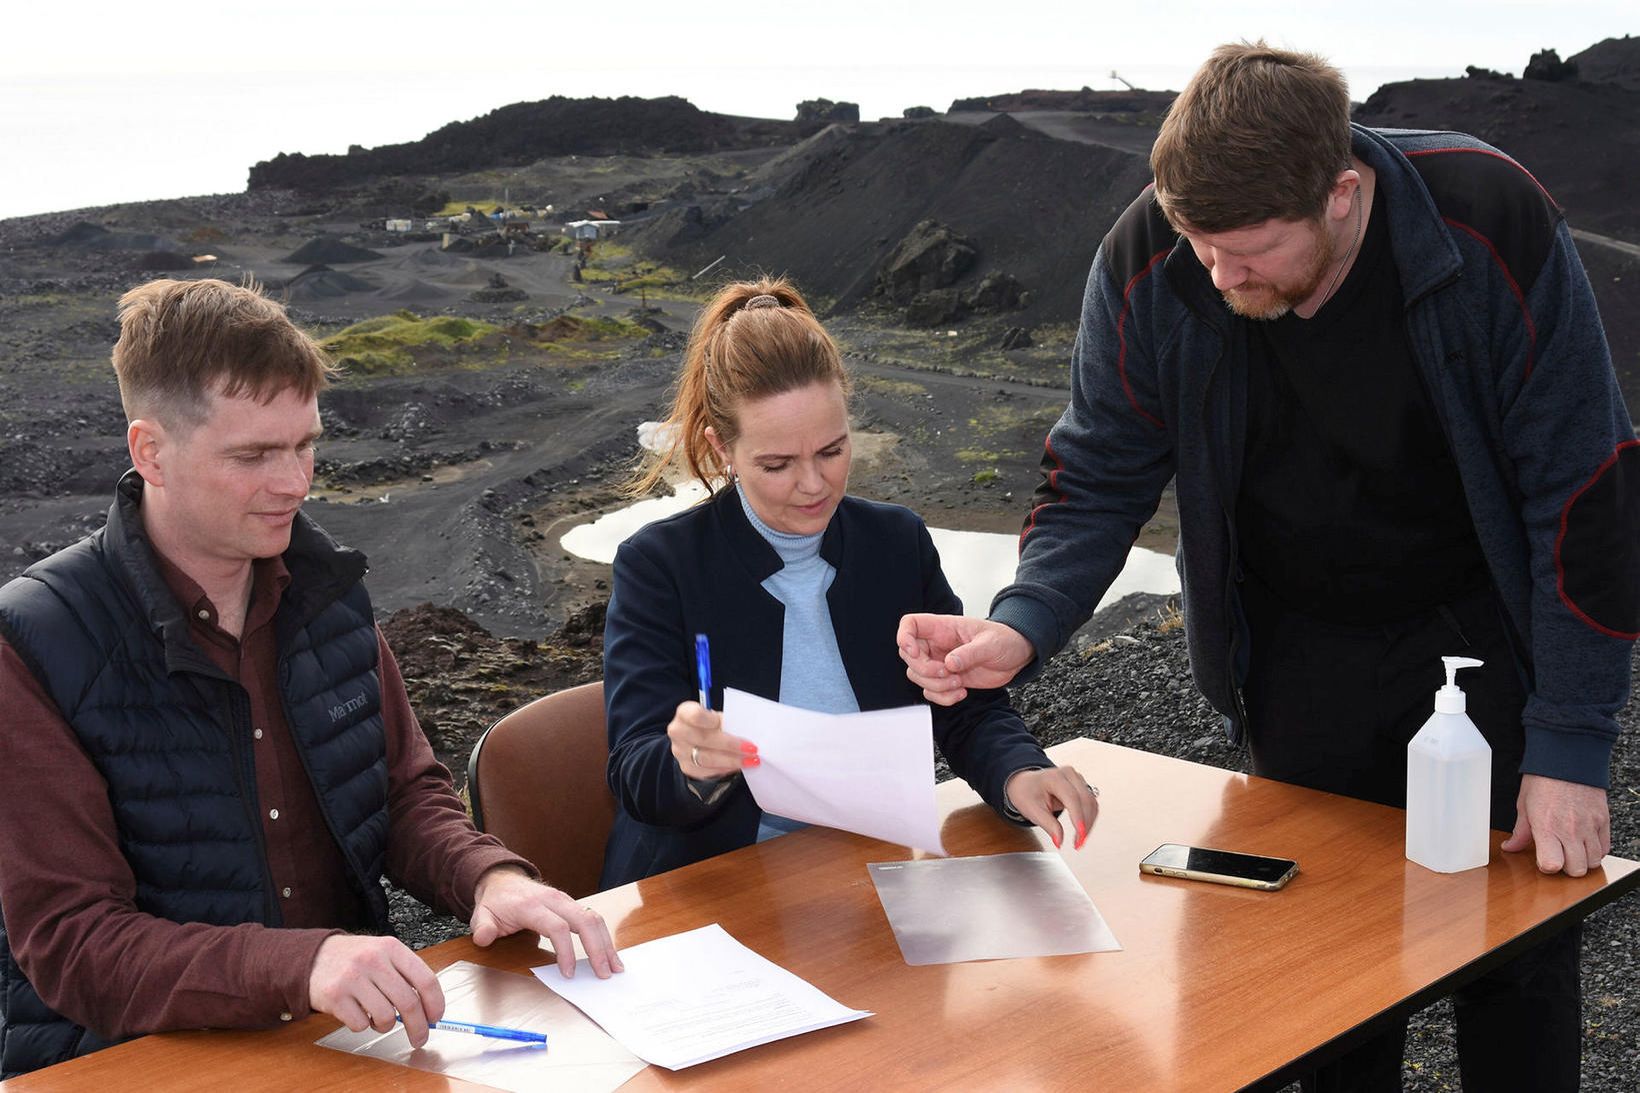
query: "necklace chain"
1347, 254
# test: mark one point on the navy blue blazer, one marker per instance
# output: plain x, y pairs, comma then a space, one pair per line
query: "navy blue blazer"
701, 571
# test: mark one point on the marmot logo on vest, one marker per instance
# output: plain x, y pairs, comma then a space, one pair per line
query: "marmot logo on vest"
342, 709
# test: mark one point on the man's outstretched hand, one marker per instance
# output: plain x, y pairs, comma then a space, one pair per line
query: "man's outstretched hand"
507, 901
946, 655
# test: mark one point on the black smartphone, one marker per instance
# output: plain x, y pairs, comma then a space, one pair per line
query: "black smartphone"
1219, 866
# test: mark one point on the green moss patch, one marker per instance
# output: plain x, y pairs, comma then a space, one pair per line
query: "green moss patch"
398, 343
404, 342
614, 265
566, 329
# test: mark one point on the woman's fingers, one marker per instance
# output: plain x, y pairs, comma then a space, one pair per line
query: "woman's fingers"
701, 747
1041, 795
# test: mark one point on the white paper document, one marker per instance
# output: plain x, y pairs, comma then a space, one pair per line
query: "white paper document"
995, 907
870, 773
579, 1056
697, 996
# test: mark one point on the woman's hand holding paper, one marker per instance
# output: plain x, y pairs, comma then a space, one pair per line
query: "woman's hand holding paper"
701, 747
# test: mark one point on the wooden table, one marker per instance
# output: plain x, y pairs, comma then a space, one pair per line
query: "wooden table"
1216, 988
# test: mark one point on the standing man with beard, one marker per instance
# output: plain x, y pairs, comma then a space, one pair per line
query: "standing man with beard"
1372, 363
208, 761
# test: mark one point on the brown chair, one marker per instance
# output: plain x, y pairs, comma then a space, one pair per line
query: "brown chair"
536, 779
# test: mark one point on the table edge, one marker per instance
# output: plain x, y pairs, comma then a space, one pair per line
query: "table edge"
1358, 1034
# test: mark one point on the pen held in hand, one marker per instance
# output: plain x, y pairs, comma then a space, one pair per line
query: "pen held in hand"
703, 670
495, 1032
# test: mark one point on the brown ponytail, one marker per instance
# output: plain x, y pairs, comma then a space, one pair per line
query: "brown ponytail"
752, 340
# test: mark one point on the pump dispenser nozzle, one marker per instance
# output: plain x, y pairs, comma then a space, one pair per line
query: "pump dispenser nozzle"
1450, 699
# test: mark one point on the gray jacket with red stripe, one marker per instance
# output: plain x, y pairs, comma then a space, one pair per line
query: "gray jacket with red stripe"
1504, 329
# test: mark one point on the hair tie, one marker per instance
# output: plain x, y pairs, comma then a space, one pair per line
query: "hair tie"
765, 300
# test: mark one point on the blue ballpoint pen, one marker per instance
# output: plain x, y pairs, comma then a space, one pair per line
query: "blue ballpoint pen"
495, 1032
703, 669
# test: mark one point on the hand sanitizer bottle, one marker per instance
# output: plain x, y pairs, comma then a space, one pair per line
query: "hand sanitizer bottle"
1449, 784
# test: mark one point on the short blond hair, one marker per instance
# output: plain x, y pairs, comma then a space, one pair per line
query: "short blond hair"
1257, 134
180, 341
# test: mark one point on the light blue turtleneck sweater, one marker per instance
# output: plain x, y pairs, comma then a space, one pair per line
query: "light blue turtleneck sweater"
812, 676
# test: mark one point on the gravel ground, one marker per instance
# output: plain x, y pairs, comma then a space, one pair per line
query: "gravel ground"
1135, 687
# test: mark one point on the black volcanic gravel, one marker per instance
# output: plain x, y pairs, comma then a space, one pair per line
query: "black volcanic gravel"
1134, 689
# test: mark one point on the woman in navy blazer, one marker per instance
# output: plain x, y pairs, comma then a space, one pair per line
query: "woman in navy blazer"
800, 587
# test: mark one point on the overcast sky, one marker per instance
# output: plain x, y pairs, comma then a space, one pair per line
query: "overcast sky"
103, 102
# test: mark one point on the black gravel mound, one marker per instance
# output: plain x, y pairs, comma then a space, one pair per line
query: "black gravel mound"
324, 283
325, 250
1034, 207
84, 235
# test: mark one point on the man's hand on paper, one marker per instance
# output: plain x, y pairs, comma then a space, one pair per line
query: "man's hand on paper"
364, 982
507, 901
701, 747
1038, 794
947, 654
1570, 823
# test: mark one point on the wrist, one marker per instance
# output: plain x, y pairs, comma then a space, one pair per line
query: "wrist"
494, 874
1007, 801
1036, 626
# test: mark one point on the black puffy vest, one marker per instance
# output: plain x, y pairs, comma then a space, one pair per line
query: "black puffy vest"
170, 734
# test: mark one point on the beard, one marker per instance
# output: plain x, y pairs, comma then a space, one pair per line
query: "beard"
1267, 301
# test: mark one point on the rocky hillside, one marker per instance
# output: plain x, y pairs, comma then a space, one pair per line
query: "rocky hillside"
1580, 139
525, 132
1614, 61
1151, 104
1033, 207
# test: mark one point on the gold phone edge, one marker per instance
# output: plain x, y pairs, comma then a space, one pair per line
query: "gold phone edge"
1220, 878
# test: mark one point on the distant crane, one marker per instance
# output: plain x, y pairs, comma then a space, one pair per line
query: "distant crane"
1115, 75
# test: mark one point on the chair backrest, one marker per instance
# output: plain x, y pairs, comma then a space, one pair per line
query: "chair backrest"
537, 782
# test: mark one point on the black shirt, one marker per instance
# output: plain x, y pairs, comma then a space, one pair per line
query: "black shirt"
1351, 509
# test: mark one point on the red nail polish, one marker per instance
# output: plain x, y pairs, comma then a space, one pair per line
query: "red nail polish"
1056, 839
748, 748
751, 761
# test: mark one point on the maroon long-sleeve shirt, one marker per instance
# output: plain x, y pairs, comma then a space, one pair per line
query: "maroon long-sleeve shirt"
68, 894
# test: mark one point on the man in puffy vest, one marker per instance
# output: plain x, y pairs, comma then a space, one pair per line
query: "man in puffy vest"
208, 759
1371, 363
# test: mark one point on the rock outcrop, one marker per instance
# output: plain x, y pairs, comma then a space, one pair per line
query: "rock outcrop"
1548, 66
824, 111
930, 257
